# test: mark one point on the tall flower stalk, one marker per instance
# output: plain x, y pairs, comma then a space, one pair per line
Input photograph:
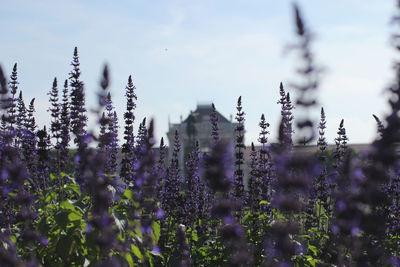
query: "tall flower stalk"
172, 184
306, 89
286, 117
126, 171
65, 129
12, 110
264, 164
238, 192
77, 113
341, 145
322, 187
379, 125
55, 126
214, 124
192, 187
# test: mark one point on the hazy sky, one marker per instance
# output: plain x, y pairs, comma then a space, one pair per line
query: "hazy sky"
181, 53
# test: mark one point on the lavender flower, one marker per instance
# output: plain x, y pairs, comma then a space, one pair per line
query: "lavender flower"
55, 126
64, 129
3, 131
3, 92
97, 183
109, 136
379, 125
321, 185
114, 148
18, 182
160, 168
309, 85
104, 231
341, 145
77, 105
193, 194
21, 119
4, 107
78, 116
255, 185
239, 147
55, 113
141, 139
264, 164
218, 168
29, 140
310, 211
286, 117
13, 84
322, 144
171, 201
102, 95
103, 138
263, 136
43, 156
126, 171
146, 194
214, 124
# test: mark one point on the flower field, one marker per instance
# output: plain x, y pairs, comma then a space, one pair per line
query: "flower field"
107, 197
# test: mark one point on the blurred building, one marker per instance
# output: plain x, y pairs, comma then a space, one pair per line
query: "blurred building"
197, 127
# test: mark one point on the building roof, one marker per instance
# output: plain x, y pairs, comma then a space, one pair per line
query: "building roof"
202, 113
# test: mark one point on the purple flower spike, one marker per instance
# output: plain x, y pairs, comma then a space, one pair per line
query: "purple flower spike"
126, 170
65, 127
286, 118
238, 190
214, 124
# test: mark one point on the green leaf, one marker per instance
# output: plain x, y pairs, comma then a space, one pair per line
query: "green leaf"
156, 230
194, 236
74, 188
64, 175
313, 249
128, 194
136, 251
67, 205
138, 232
74, 216
312, 261
52, 177
50, 197
262, 216
264, 202
129, 259
246, 218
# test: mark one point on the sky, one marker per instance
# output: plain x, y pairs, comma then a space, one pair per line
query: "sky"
184, 52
